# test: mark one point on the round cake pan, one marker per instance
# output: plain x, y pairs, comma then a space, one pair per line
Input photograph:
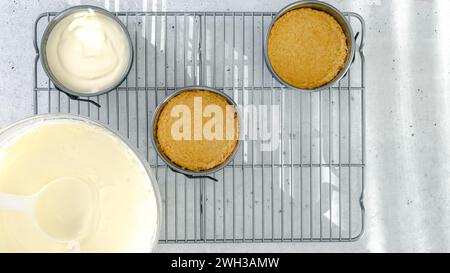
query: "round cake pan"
340, 18
43, 55
22, 125
172, 165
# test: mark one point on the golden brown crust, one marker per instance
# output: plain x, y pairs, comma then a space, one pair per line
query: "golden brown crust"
307, 48
195, 155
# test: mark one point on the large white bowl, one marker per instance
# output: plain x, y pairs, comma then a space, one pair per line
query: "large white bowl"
19, 127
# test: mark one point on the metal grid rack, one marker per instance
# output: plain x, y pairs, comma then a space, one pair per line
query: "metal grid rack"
309, 188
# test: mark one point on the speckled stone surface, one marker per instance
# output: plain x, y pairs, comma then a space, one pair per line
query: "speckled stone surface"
407, 108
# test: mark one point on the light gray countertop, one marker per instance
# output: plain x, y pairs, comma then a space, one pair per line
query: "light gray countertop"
407, 106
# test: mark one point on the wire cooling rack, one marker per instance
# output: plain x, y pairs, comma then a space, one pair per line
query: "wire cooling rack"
308, 188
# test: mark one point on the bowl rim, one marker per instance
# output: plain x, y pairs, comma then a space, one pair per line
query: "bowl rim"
43, 55
63, 116
306, 4
172, 165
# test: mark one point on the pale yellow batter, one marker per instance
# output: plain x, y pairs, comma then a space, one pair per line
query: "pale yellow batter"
87, 52
117, 209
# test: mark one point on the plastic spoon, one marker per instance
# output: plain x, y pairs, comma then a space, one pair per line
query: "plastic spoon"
62, 209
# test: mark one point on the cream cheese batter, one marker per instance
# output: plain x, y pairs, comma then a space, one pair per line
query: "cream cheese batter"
107, 204
87, 52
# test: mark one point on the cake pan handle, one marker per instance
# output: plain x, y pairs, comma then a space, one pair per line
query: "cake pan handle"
194, 176
356, 37
354, 55
73, 97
